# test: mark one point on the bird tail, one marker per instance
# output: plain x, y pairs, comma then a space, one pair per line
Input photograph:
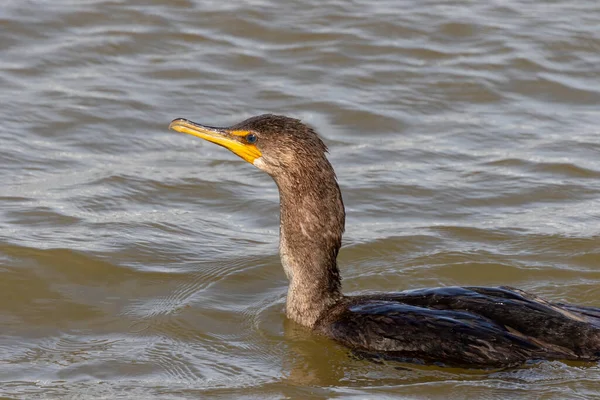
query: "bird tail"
592, 314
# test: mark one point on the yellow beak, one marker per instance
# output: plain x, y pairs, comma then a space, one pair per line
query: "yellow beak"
232, 140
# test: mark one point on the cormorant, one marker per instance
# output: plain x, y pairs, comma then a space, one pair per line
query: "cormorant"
472, 327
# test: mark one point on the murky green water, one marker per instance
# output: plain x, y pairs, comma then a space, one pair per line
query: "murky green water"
140, 263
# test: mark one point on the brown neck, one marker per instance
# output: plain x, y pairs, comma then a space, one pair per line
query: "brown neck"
311, 228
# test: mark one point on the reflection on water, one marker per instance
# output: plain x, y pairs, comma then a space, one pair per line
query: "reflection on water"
139, 263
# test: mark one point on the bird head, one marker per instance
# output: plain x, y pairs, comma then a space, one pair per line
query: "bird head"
275, 144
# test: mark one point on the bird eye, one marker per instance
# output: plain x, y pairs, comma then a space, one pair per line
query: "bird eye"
251, 138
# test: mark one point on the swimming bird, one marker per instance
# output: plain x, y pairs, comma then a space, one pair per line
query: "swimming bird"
472, 327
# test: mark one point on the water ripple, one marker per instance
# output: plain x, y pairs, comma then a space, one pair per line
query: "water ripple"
140, 263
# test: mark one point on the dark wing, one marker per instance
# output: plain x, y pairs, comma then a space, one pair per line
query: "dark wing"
571, 330
399, 331
471, 326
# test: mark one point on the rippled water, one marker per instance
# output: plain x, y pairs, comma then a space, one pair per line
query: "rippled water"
140, 263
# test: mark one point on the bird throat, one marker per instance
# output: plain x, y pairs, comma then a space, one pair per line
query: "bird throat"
311, 226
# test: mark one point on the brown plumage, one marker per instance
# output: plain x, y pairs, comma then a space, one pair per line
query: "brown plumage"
473, 327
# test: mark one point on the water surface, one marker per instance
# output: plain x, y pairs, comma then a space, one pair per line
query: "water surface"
140, 263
